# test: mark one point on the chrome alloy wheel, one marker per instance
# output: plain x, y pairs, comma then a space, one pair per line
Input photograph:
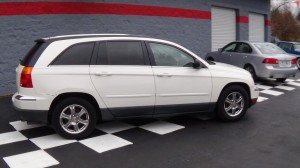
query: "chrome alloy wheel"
234, 104
74, 119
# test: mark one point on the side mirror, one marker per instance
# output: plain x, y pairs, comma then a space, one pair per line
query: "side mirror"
197, 64
220, 49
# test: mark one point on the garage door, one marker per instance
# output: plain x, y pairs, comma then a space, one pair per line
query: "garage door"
223, 27
256, 27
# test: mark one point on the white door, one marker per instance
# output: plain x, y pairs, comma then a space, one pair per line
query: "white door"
223, 27
124, 82
179, 86
256, 27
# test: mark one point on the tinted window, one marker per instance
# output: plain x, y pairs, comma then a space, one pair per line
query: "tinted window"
79, 54
165, 55
123, 53
244, 48
268, 48
230, 48
32, 56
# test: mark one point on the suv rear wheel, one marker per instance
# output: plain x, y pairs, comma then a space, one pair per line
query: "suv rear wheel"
233, 103
74, 118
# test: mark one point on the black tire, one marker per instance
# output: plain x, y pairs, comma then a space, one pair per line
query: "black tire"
298, 63
210, 59
251, 70
281, 79
222, 104
88, 117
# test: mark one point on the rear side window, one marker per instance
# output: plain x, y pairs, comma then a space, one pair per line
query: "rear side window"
121, 53
79, 54
32, 56
244, 48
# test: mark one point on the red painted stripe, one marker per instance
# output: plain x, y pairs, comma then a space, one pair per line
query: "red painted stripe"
268, 23
44, 8
242, 19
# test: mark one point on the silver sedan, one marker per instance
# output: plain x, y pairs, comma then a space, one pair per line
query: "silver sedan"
261, 59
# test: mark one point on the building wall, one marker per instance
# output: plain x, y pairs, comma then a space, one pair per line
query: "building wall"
19, 30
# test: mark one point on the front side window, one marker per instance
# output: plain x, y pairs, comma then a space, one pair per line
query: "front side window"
230, 47
79, 54
165, 55
244, 48
124, 53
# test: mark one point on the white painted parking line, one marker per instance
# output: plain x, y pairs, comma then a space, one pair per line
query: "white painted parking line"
271, 92
35, 159
51, 141
261, 99
11, 137
105, 143
285, 88
294, 84
22, 125
290, 80
298, 80
264, 86
113, 127
161, 127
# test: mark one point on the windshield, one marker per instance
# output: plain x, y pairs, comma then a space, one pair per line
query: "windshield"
268, 48
297, 47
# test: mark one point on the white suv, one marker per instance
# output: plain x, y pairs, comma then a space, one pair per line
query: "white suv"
71, 82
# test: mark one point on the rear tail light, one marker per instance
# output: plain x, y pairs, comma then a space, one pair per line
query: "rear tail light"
270, 61
26, 80
294, 61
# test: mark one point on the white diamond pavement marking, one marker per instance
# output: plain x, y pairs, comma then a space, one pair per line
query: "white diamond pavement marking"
161, 127
113, 127
264, 86
271, 92
290, 80
105, 143
11, 137
21, 125
293, 83
260, 99
35, 159
285, 88
51, 141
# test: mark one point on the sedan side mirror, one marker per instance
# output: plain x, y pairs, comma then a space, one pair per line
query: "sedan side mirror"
197, 64
220, 49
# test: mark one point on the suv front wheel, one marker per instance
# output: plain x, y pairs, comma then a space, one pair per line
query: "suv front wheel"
233, 103
74, 118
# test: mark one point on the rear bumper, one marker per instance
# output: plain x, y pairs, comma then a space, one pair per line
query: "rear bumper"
271, 72
38, 116
29, 110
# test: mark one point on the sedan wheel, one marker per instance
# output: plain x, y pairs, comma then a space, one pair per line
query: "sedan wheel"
251, 70
233, 103
74, 118
298, 63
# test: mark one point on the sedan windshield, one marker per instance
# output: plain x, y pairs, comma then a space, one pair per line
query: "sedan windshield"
268, 48
297, 47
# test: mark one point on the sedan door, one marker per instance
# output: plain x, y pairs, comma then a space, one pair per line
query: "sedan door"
179, 86
242, 56
124, 78
226, 53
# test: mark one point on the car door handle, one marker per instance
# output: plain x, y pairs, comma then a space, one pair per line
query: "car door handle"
164, 75
103, 74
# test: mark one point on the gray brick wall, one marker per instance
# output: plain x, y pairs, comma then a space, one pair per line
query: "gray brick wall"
19, 32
